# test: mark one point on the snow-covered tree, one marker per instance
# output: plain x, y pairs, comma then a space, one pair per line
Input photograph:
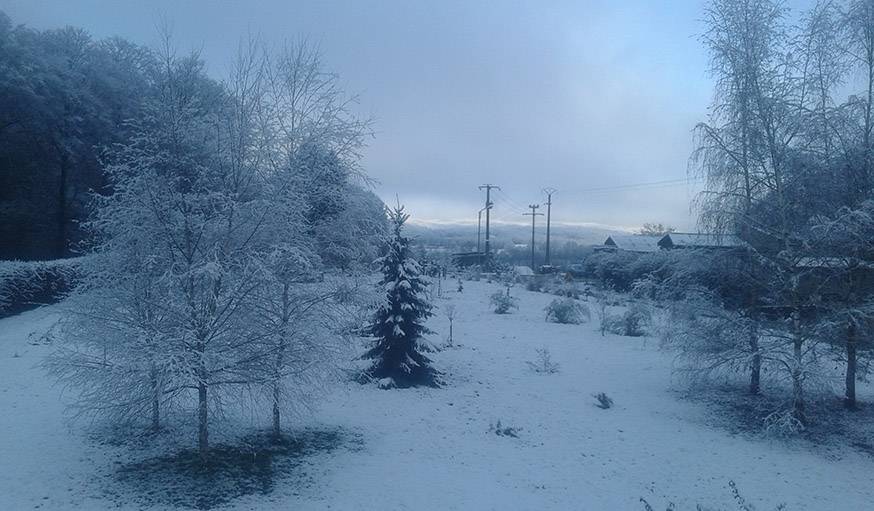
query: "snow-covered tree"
209, 289
167, 312
655, 229
399, 323
848, 319
314, 139
112, 345
300, 314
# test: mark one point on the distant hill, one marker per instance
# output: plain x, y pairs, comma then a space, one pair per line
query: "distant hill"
461, 236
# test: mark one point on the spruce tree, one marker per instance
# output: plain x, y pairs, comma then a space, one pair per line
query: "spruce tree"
399, 323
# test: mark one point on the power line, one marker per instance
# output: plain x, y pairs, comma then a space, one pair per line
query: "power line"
632, 186
505, 208
515, 205
504, 198
497, 199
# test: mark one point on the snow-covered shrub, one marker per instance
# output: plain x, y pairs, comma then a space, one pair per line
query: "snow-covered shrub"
603, 312
544, 363
612, 323
567, 289
783, 423
631, 323
612, 269
25, 285
567, 311
500, 430
636, 319
604, 401
503, 303
533, 285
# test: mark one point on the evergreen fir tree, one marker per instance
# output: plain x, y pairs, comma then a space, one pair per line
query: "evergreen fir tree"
399, 323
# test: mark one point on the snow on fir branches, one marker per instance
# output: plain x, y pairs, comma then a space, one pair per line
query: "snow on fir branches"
399, 323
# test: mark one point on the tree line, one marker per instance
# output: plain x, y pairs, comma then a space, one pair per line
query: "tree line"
67, 100
63, 98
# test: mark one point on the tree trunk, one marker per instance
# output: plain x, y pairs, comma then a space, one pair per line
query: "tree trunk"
850, 394
280, 360
61, 219
755, 365
756, 375
202, 421
797, 375
156, 399
277, 426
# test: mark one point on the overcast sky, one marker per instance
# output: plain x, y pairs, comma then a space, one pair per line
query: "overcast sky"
573, 95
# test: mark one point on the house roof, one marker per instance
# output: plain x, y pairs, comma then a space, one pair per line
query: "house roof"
699, 240
633, 242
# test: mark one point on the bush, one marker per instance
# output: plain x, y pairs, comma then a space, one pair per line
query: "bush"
500, 430
783, 424
568, 289
620, 269
604, 401
27, 285
567, 311
544, 363
636, 319
612, 323
503, 303
632, 323
611, 269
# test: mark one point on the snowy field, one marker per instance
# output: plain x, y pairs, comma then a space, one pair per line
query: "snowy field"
432, 449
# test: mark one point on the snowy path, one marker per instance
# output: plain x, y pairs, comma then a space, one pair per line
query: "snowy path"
430, 449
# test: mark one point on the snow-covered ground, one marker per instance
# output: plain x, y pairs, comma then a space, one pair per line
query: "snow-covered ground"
432, 449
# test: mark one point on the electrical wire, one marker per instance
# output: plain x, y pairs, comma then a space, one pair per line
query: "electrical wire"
667, 183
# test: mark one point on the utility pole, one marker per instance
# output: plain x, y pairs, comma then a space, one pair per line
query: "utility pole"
479, 227
488, 188
534, 214
548, 192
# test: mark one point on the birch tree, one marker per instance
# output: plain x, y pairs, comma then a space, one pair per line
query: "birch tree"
183, 229
744, 40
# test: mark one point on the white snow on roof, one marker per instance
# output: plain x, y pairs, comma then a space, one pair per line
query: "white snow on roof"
633, 242
689, 239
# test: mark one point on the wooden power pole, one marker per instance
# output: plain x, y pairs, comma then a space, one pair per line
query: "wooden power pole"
534, 214
548, 192
479, 227
488, 189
